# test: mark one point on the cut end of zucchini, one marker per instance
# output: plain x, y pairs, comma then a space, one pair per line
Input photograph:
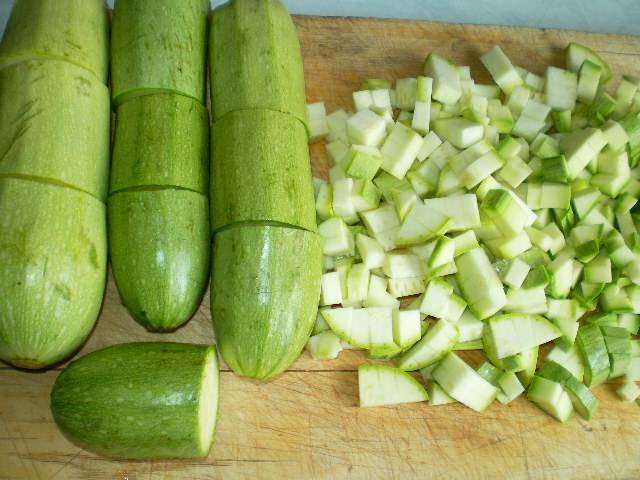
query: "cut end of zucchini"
208, 402
380, 385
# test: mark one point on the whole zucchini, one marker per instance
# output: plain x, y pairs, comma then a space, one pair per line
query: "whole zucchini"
158, 45
76, 31
53, 259
255, 59
140, 400
265, 289
260, 170
54, 125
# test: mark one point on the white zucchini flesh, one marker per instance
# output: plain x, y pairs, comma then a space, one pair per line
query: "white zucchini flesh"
380, 385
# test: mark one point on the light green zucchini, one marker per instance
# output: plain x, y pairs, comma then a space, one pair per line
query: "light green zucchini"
265, 292
158, 45
260, 170
255, 59
54, 125
159, 244
140, 400
161, 140
53, 258
76, 31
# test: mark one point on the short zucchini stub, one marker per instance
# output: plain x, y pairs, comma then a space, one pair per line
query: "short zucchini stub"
158, 46
159, 243
140, 400
260, 170
265, 292
53, 253
34, 30
55, 124
161, 140
255, 59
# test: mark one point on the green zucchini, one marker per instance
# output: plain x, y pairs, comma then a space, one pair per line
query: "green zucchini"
54, 125
159, 245
158, 46
260, 170
140, 400
161, 140
265, 293
53, 258
76, 31
255, 59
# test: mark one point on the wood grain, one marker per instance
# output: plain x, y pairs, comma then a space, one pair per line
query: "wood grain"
305, 423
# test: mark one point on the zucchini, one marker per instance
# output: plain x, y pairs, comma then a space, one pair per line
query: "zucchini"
53, 256
54, 125
161, 141
255, 59
265, 293
159, 245
260, 170
34, 31
158, 46
140, 400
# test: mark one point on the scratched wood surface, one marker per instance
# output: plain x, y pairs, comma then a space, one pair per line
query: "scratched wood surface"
306, 423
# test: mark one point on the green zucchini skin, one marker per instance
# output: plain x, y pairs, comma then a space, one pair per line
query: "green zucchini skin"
255, 59
76, 31
260, 170
138, 400
264, 296
159, 243
158, 45
54, 123
53, 258
179, 125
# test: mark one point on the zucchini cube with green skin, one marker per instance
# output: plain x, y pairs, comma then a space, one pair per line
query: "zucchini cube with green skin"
145, 55
618, 345
459, 132
399, 150
318, 127
531, 121
593, 349
324, 201
437, 396
570, 358
615, 134
422, 224
462, 209
406, 327
337, 239
576, 54
32, 31
150, 381
267, 284
554, 169
479, 283
364, 195
560, 88
581, 397
261, 71
510, 386
463, 384
504, 212
324, 346
371, 251
501, 69
446, 79
383, 224
551, 397
518, 332
580, 147
377, 295
436, 342
363, 162
331, 290
383, 385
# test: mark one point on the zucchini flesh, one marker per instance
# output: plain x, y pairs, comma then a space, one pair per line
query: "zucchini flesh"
140, 400
382, 385
158, 46
53, 252
34, 31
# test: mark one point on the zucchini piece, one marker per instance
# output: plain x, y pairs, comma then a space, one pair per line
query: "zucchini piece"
255, 59
159, 46
140, 400
34, 31
55, 119
518, 332
551, 397
594, 353
266, 287
260, 170
53, 257
576, 54
583, 400
159, 246
161, 141
436, 343
383, 385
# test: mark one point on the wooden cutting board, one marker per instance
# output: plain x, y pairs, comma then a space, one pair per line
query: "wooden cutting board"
306, 423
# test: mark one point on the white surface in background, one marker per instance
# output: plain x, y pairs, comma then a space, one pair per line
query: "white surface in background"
609, 16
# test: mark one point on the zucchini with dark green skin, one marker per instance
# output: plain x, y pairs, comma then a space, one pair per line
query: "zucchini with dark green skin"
76, 31
54, 125
158, 46
255, 59
53, 259
264, 295
140, 400
260, 170
159, 244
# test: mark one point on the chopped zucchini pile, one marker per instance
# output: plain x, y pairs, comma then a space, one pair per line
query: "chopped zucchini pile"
508, 212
